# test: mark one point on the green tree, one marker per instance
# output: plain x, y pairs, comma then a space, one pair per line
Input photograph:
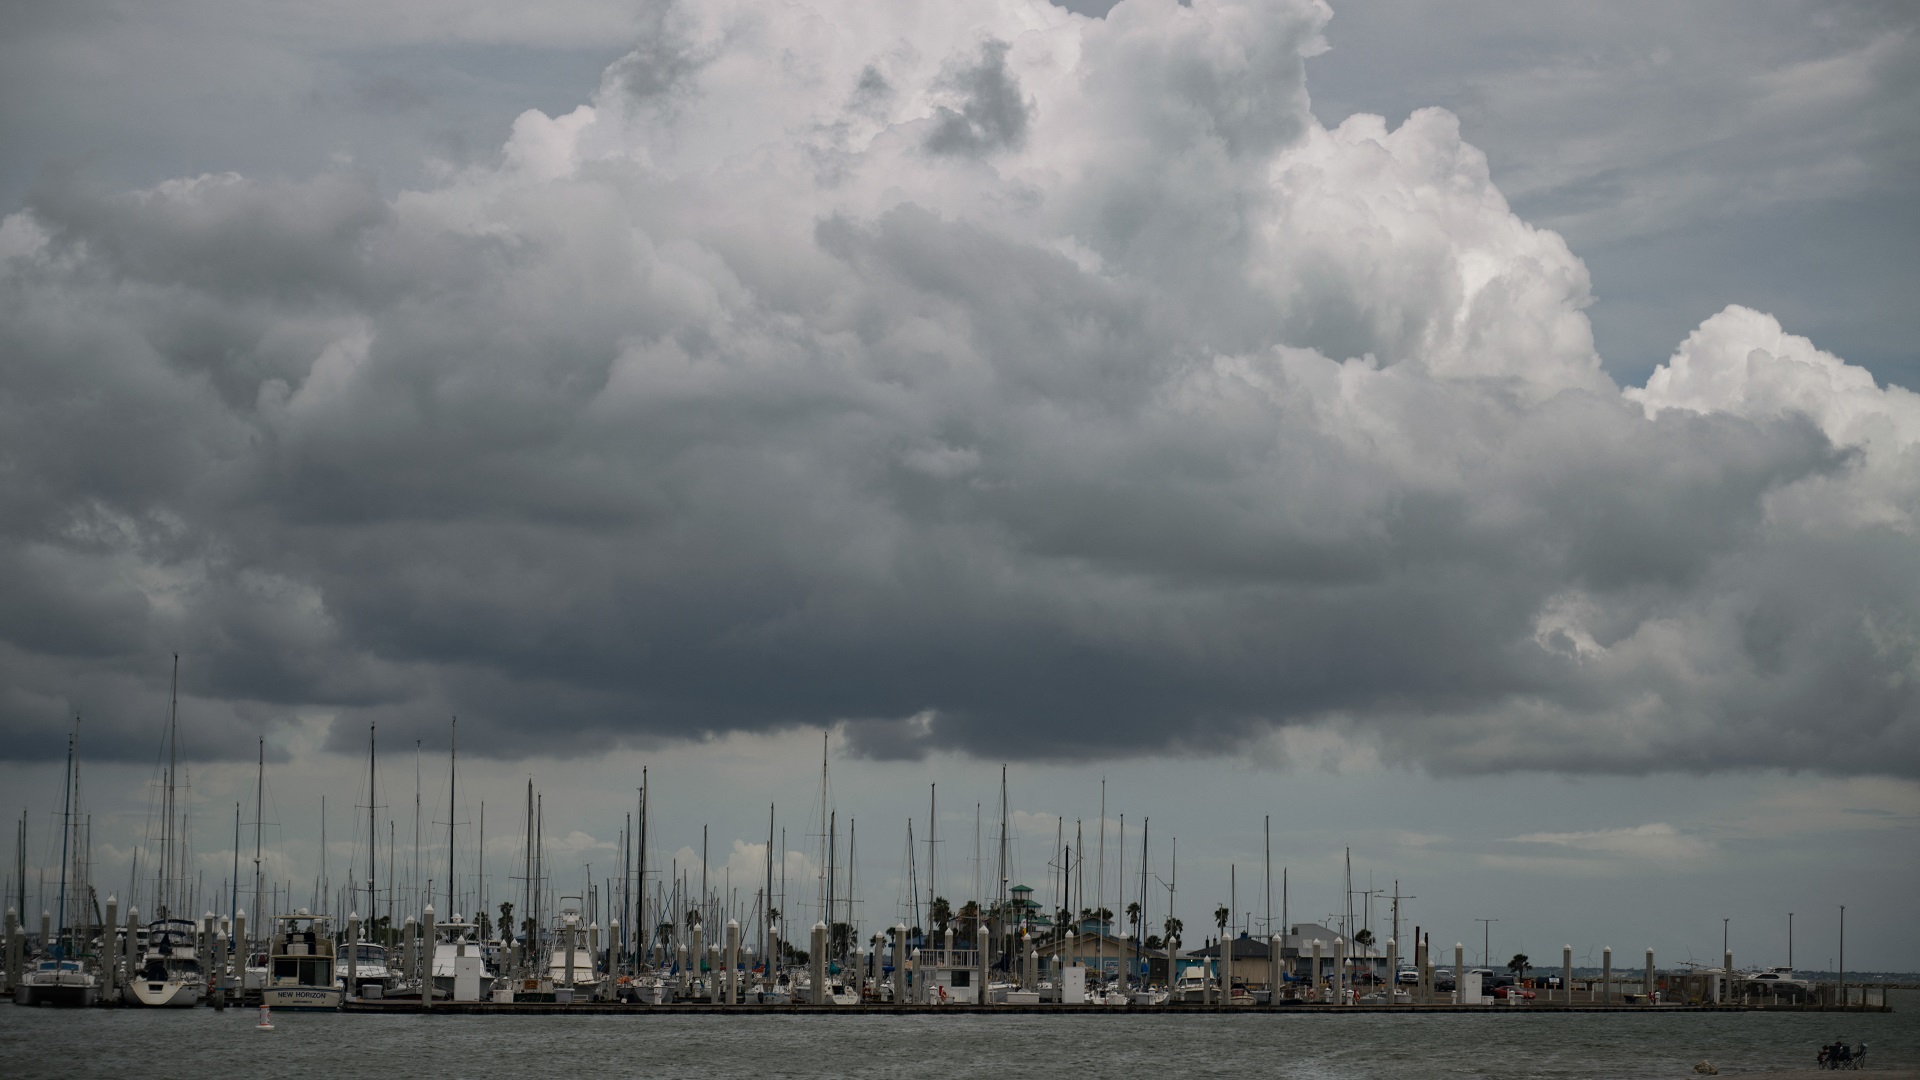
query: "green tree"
506, 915
1220, 917
1173, 927
1364, 937
941, 913
1133, 918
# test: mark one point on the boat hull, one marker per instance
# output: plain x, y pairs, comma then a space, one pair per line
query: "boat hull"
163, 995
55, 995
302, 998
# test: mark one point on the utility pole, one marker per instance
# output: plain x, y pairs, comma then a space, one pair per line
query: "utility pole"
1724, 924
1486, 940
1397, 897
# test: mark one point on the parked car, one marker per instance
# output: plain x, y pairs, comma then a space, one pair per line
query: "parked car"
1521, 992
1443, 979
1408, 977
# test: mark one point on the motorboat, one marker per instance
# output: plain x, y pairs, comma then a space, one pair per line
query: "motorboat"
301, 975
364, 971
1150, 995
460, 968
1193, 986
169, 974
1778, 980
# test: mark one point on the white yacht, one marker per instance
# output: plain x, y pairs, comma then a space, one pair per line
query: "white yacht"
1194, 985
169, 975
365, 972
301, 972
460, 968
1779, 980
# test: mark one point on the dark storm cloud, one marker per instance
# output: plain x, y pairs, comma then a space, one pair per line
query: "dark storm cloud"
1173, 419
991, 114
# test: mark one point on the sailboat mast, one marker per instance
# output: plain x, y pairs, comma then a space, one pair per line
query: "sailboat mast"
1268, 895
66, 817
1000, 893
259, 800
826, 888
1100, 887
373, 808
933, 828
233, 897
641, 918
166, 844
453, 778
766, 913
1146, 827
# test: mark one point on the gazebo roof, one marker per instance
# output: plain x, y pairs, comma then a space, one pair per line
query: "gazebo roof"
1021, 888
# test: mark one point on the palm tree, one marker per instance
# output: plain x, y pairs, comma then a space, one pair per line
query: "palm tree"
1519, 965
1173, 927
941, 913
1220, 917
1133, 918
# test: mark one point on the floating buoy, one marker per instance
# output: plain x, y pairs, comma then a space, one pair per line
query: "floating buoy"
266, 1019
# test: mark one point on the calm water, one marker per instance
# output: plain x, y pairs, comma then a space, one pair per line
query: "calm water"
202, 1044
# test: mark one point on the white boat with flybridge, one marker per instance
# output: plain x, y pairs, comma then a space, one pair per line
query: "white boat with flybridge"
169, 974
301, 975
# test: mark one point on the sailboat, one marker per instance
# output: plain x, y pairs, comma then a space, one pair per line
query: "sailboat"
169, 974
61, 978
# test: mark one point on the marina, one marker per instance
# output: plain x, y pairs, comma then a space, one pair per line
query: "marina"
714, 948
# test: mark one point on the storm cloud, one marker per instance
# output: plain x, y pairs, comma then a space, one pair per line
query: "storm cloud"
996, 379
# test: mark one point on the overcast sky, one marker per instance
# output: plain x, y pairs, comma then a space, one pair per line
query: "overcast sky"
1479, 436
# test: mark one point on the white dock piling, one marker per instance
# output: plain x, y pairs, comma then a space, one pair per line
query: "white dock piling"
980, 980
109, 956
1606, 975
567, 931
1316, 970
351, 987
817, 964
13, 950
1459, 973
1340, 971
1276, 968
1393, 971
733, 962
900, 964
240, 952
46, 930
1646, 984
1226, 968
132, 944
426, 958
1566, 974
217, 978
919, 987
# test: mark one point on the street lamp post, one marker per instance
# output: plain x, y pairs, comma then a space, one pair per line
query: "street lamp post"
1486, 939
